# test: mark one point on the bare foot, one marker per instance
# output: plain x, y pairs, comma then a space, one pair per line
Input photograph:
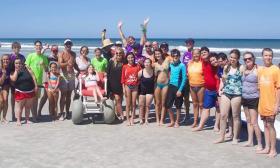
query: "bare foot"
128, 123
229, 135
176, 125
194, 125
197, 129
4, 121
132, 122
234, 141
141, 122
171, 125
259, 148
216, 129
146, 123
161, 124
28, 122
264, 151
18, 123
220, 140
272, 154
248, 144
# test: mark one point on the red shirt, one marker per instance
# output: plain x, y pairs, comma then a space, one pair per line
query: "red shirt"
210, 76
130, 74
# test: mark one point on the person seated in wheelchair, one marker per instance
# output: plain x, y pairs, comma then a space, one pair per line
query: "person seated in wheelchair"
91, 80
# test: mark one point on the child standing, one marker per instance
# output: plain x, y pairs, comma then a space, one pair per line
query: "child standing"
130, 84
53, 90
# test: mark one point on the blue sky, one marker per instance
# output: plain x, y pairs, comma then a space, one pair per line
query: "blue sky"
168, 18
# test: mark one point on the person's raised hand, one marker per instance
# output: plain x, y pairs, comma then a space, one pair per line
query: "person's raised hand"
120, 24
146, 21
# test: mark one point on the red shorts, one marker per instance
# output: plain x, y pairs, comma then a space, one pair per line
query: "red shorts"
23, 95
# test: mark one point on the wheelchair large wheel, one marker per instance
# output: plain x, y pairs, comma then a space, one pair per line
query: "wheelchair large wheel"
108, 110
77, 111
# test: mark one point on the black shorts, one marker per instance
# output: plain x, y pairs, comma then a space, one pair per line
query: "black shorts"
145, 90
250, 103
171, 98
186, 90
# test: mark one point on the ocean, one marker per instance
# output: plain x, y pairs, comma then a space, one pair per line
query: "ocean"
216, 45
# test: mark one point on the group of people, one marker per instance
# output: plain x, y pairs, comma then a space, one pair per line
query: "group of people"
144, 71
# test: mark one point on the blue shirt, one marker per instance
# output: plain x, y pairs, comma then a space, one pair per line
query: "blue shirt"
178, 75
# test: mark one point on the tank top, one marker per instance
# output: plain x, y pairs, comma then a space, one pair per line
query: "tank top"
250, 85
24, 81
233, 83
195, 73
147, 82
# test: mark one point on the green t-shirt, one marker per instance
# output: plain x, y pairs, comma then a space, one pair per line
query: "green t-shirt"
100, 64
37, 63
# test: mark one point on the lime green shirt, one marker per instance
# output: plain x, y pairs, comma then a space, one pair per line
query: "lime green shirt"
37, 64
100, 65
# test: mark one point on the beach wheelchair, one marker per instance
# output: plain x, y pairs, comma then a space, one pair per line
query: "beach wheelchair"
102, 112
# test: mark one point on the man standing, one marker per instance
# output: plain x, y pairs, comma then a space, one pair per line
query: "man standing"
38, 63
185, 60
269, 85
67, 63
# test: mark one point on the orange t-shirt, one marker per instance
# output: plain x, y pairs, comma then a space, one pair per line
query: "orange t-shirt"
269, 81
195, 73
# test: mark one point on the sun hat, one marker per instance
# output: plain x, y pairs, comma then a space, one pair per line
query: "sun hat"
106, 43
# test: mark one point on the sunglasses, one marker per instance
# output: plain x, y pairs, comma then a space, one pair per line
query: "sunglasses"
246, 59
119, 53
148, 45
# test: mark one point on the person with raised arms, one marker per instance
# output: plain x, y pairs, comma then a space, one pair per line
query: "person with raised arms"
131, 45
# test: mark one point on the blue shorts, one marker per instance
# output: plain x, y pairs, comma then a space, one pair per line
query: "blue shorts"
210, 98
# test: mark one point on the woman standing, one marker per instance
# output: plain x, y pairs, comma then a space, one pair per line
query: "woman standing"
147, 79
250, 99
161, 73
4, 86
83, 61
130, 84
196, 79
231, 96
25, 89
114, 87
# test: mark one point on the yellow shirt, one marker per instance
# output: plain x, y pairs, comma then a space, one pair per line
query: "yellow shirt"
269, 81
195, 73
